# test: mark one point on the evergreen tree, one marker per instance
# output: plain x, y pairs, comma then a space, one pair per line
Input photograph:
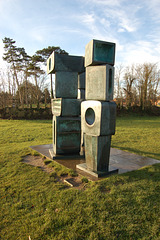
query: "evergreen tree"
35, 70
17, 58
46, 52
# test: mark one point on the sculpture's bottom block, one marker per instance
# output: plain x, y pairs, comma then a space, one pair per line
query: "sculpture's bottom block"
97, 152
66, 135
97, 174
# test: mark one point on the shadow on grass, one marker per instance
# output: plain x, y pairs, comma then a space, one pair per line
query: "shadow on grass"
142, 153
150, 172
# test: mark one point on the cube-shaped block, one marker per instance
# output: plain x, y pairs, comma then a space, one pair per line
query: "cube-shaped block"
97, 152
100, 82
63, 62
81, 80
81, 94
66, 107
98, 118
66, 84
99, 52
66, 135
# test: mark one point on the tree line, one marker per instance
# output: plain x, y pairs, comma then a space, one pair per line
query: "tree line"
137, 85
24, 81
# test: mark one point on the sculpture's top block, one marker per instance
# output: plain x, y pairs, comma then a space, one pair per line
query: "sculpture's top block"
62, 62
99, 52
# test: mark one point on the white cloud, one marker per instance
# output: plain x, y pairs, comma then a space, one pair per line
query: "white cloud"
7, 7
105, 22
3, 4
123, 18
91, 25
123, 22
153, 9
38, 33
139, 52
88, 19
102, 2
121, 30
119, 21
116, 12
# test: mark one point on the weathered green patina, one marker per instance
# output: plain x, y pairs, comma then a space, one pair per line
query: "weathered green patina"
99, 52
62, 62
66, 135
100, 82
66, 84
81, 80
66, 107
97, 152
98, 118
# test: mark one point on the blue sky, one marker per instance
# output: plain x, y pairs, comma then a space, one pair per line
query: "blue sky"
133, 25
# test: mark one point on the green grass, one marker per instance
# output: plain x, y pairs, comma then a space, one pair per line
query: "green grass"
120, 207
140, 135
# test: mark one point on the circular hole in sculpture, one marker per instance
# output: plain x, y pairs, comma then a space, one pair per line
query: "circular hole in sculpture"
90, 116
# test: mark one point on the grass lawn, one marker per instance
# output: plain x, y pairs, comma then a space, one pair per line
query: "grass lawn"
33, 203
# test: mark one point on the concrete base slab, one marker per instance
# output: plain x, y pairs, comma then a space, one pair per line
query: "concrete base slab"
98, 174
121, 160
65, 160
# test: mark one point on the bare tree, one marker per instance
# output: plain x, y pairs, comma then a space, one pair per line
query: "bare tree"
129, 79
148, 78
118, 84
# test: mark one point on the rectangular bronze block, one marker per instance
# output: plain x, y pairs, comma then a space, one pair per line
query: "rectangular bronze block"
66, 135
66, 84
100, 82
63, 62
97, 152
66, 107
98, 118
81, 80
99, 52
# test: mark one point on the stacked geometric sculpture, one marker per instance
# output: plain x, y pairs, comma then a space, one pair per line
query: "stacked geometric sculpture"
85, 89
98, 113
65, 105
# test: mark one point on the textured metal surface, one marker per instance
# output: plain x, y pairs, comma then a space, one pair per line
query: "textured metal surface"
81, 80
97, 152
100, 82
66, 135
99, 52
98, 117
66, 107
62, 62
66, 84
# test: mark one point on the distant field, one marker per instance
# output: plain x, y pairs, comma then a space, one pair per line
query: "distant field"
140, 135
34, 204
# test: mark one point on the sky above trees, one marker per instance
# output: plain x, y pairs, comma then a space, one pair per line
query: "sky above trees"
133, 25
